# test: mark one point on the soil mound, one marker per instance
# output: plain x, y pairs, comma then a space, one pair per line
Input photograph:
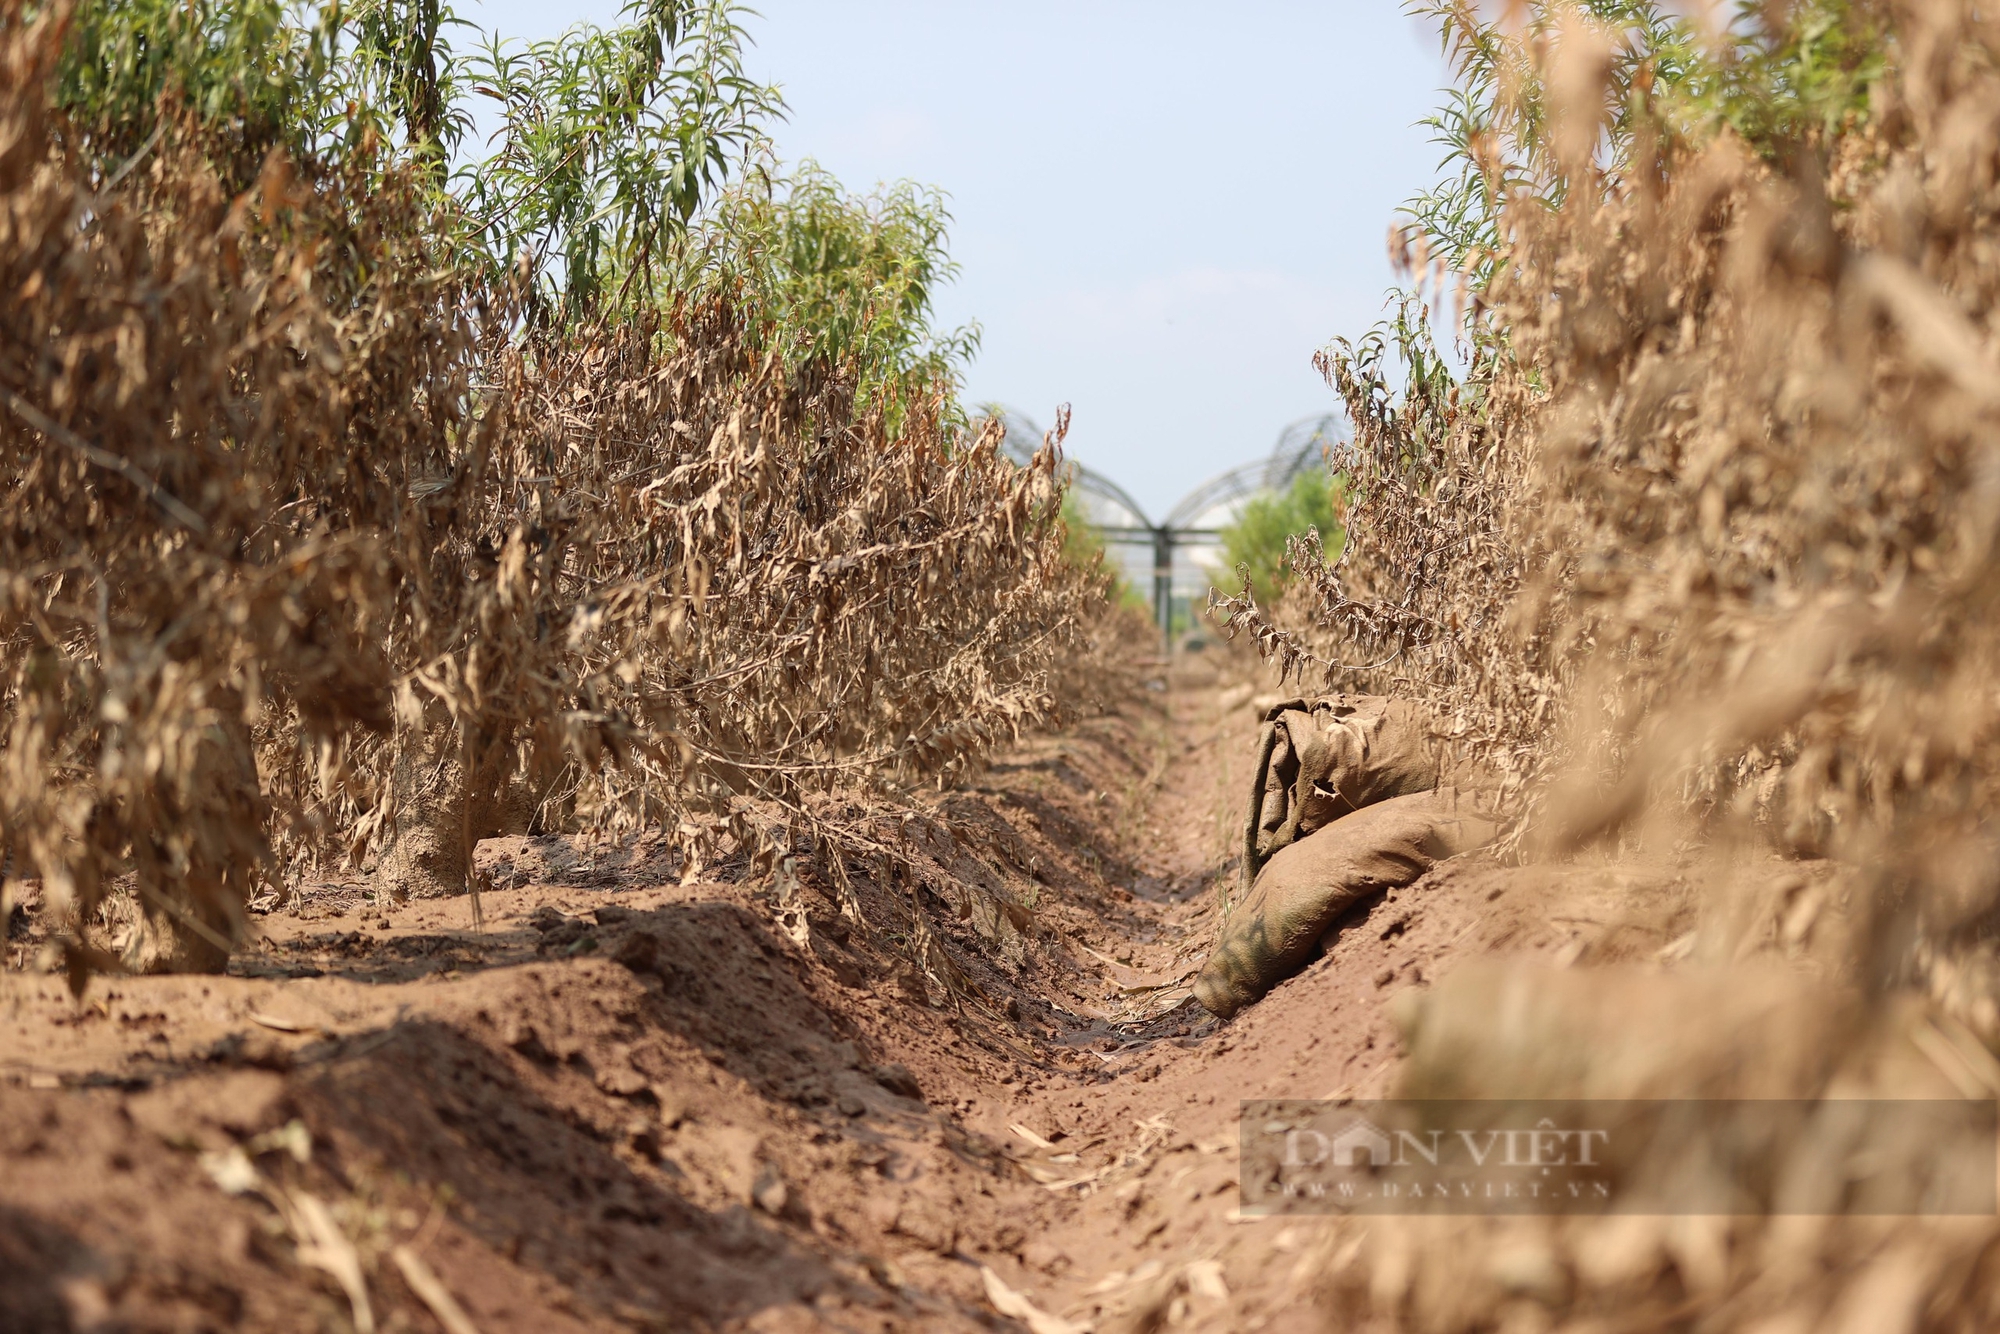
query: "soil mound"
632, 1104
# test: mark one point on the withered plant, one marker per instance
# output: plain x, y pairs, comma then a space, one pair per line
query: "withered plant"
1698, 557
312, 548
210, 410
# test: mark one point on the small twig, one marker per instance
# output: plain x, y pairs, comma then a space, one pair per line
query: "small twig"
465, 839
423, 1281
323, 1245
104, 458
111, 182
185, 918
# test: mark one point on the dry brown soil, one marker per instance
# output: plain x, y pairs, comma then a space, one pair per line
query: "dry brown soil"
627, 1103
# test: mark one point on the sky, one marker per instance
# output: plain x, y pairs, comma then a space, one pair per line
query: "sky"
1160, 210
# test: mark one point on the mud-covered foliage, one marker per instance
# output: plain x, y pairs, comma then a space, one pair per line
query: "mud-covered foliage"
1258, 541
307, 551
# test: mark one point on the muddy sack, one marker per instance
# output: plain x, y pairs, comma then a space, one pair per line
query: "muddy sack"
1320, 759
1308, 883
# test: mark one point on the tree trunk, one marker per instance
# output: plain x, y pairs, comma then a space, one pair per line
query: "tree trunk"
164, 942
430, 835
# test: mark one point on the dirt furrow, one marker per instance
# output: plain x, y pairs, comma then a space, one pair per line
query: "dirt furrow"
628, 1103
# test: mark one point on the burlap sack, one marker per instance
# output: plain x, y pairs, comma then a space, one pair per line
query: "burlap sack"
1308, 883
1320, 759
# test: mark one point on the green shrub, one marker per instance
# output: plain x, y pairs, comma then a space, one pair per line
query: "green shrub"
610, 140
1779, 83
832, 277
253, 74
1257, 541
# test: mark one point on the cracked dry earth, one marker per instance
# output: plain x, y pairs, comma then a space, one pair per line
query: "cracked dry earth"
627, 1104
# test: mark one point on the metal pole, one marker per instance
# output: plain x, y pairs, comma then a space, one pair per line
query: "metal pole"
1163, 587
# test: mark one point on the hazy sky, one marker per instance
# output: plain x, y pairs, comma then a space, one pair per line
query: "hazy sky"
1161, 210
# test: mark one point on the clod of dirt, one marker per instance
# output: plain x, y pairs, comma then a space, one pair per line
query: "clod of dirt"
638, 951
570, 937
897, 1078
621, 1081
611, 915
928, 1225
644, 1137
546, 918
261, 1051
770, 1192
910, 985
